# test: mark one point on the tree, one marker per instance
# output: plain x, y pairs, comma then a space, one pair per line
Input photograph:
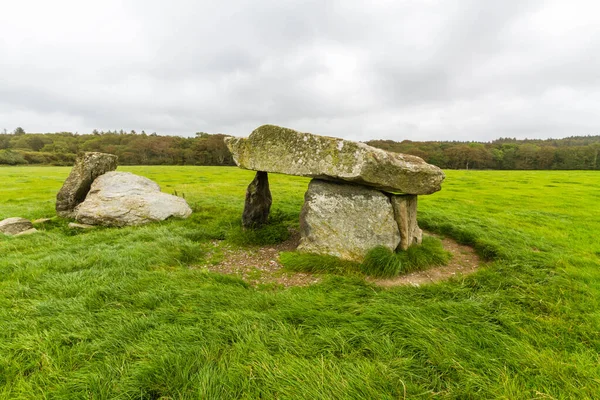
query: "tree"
19, 131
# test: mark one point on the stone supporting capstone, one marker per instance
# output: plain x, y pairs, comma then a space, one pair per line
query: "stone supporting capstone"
405, 213
258, 202
346, 220
87, 168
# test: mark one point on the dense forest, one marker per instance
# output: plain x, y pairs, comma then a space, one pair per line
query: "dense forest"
19, 147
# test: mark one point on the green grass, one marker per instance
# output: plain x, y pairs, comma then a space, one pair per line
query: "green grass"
129, 314
380, 262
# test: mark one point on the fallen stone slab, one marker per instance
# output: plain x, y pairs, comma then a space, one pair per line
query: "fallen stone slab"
75, 225
41, 221
272, 148
122, 198
87, 168
15, 225
346, 220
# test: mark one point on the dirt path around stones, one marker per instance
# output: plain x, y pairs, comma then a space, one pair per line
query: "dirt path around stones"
261, 265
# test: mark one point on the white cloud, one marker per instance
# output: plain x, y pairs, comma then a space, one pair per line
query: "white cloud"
464, 70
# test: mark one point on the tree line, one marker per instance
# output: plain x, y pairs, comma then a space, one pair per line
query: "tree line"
133, 148
576, 152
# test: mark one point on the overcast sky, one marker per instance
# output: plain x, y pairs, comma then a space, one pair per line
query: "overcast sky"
373, 69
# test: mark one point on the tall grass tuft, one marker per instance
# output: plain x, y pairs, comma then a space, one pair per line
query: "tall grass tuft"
380, 262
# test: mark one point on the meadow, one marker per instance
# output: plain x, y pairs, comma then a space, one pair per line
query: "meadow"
131, 313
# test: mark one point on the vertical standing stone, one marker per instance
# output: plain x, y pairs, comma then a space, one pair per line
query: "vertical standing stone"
87, 168
405, 213
345, 220
258, 202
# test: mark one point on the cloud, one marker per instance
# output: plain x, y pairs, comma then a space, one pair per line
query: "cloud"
429, 70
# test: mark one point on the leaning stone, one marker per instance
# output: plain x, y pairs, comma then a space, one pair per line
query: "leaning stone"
258, 202
275, 149
15, 225
87, 168
74, 225
405, 213
346, 220
122, 198
27, 232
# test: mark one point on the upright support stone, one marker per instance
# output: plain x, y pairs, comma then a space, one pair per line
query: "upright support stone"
87, 168
346, 220
258, 202
405, 213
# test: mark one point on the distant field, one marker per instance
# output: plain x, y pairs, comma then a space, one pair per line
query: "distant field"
127, 313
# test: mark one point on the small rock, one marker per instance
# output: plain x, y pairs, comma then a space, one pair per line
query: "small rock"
41, 221
27, 232
15, 225
75, 225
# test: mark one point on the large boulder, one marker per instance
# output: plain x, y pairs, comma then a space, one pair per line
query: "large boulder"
122, 198
346, 220
272, 148
87, 168
16, 226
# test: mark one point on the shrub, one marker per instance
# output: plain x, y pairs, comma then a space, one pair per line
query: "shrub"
11, 158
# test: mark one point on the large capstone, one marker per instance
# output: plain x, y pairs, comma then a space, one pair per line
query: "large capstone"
405, 212
87, 168
122, 198
258, 202
16, 226
272, 148
346, 220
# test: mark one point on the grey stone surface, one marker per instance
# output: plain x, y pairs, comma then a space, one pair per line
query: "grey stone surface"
258, 202
41, 221
405, 213
122, 198
75, 225
272, 148
27, 232
87, 168
15, 225
346, 220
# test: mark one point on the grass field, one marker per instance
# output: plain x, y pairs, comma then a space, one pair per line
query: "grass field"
128, 314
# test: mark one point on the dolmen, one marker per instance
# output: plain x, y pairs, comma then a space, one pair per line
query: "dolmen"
360, 197
96, 194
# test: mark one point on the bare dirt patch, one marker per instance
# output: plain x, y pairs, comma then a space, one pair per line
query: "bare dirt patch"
261, 265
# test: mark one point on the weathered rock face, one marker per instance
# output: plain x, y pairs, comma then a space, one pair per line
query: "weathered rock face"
272, 148
15, 226
122, 198
346, 220
405, 213
258, 202
87, 168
